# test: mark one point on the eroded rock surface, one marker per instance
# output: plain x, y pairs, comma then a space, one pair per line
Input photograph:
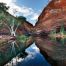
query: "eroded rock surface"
53, 15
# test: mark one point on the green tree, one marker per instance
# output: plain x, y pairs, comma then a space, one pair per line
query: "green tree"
22, 18
3, 7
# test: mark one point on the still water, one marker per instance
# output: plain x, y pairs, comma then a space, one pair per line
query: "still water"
34, 58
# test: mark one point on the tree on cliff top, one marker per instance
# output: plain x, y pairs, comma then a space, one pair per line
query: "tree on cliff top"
3, 7
22, 18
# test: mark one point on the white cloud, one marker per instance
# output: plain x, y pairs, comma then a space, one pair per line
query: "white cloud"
50, 0
23, 10
36, 49
32, 49
8, 1
35, 16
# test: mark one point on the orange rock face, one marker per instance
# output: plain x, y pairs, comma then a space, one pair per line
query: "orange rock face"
52, 16
26, 27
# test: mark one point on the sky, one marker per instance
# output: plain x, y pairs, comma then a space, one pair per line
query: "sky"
30, 9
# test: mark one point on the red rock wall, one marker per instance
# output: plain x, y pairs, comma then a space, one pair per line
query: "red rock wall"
52, 16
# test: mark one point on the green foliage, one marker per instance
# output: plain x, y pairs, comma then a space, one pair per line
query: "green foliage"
3, 7
2, 15
22, 38
21, 18
9, 21
61, 33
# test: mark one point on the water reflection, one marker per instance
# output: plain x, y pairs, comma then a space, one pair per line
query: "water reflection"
53, 46
54, 49
34, 58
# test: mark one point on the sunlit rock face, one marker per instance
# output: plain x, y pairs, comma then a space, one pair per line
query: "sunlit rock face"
50, 31
14, 36
52, 16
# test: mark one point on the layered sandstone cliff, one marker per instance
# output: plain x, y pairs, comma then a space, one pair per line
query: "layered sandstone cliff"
53, 15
